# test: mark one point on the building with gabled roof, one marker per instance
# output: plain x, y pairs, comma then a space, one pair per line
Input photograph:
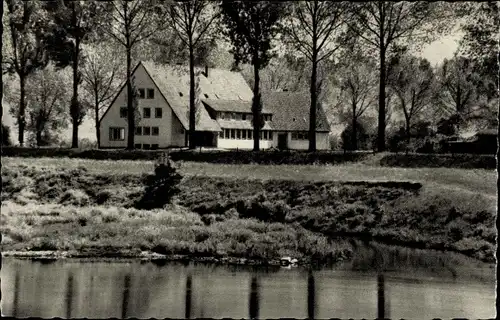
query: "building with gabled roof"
224, 117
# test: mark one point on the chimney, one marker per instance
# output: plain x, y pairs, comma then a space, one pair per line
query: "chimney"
206, 71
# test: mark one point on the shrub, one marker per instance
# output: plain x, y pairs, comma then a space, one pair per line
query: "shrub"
75, 198
160, 187
5, 135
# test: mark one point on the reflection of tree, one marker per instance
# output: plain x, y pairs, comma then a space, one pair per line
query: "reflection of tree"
69, 295
189, 286
126, 294
254, 299
311, 295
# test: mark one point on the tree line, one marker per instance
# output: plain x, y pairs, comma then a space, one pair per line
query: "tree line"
358, 59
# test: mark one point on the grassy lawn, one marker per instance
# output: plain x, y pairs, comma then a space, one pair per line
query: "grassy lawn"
471, 180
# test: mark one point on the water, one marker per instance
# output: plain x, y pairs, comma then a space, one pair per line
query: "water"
394, 285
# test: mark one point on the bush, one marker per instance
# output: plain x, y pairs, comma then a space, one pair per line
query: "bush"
160, 187
5, 135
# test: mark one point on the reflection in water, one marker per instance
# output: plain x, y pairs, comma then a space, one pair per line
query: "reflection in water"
254, 299
103, 290
126, 293
311, 295
381, 296
69, 295
187, 313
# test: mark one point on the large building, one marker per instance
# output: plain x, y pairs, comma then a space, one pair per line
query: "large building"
223, 117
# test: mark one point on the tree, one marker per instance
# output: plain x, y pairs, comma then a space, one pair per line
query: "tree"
357, 84
191, 21
414, 85
129, 23
100, 75
383, 24
251, 26
46, 100
313, 27
74, 22
458, 91
26, 24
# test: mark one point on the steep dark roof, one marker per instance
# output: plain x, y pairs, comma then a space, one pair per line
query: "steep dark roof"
231, 105
291, 111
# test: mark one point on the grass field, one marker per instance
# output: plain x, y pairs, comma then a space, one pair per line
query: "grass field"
252, 211
472, 180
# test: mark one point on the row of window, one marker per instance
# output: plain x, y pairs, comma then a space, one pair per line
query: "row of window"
241, 134
300, 135
147, 131
241, 116
150, 93
146, 112
146, 146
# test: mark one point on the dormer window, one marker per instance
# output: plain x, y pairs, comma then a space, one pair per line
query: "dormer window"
180, 94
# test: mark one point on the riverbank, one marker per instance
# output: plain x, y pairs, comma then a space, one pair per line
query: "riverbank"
88, 210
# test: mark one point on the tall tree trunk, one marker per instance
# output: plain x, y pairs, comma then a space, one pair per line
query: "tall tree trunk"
38, 137
1, 61
354, 135
97, 130
75, 105
21, 119
314, 98
130, 107
256, 106
192, 107
408, 134
381, 102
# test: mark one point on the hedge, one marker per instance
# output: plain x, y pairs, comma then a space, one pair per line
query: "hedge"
465, 161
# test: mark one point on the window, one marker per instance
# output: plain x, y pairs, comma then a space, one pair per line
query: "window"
123, 112
265, 135
138, 131
158, 112
299, 136
154, 146
244, 134
237, 116
137, 145
260, 135
243, 116
250, 117
238, 134
270, 135
232, 134
206, 95
147, 113
233, 116
142, 94
227, 134
180, 94
116, 134
250, 134
151, 93
155, 131
146, 131
145, 146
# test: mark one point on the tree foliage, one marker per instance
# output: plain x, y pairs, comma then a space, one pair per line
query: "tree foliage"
383, 24
414, 84
73, 24
314, 28
101, 75
130, 23
27, 26
251, 27
46, 98
192, 21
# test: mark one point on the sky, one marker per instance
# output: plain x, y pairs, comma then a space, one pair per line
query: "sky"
435, 52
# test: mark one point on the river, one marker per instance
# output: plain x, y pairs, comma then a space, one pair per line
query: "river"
394, 283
